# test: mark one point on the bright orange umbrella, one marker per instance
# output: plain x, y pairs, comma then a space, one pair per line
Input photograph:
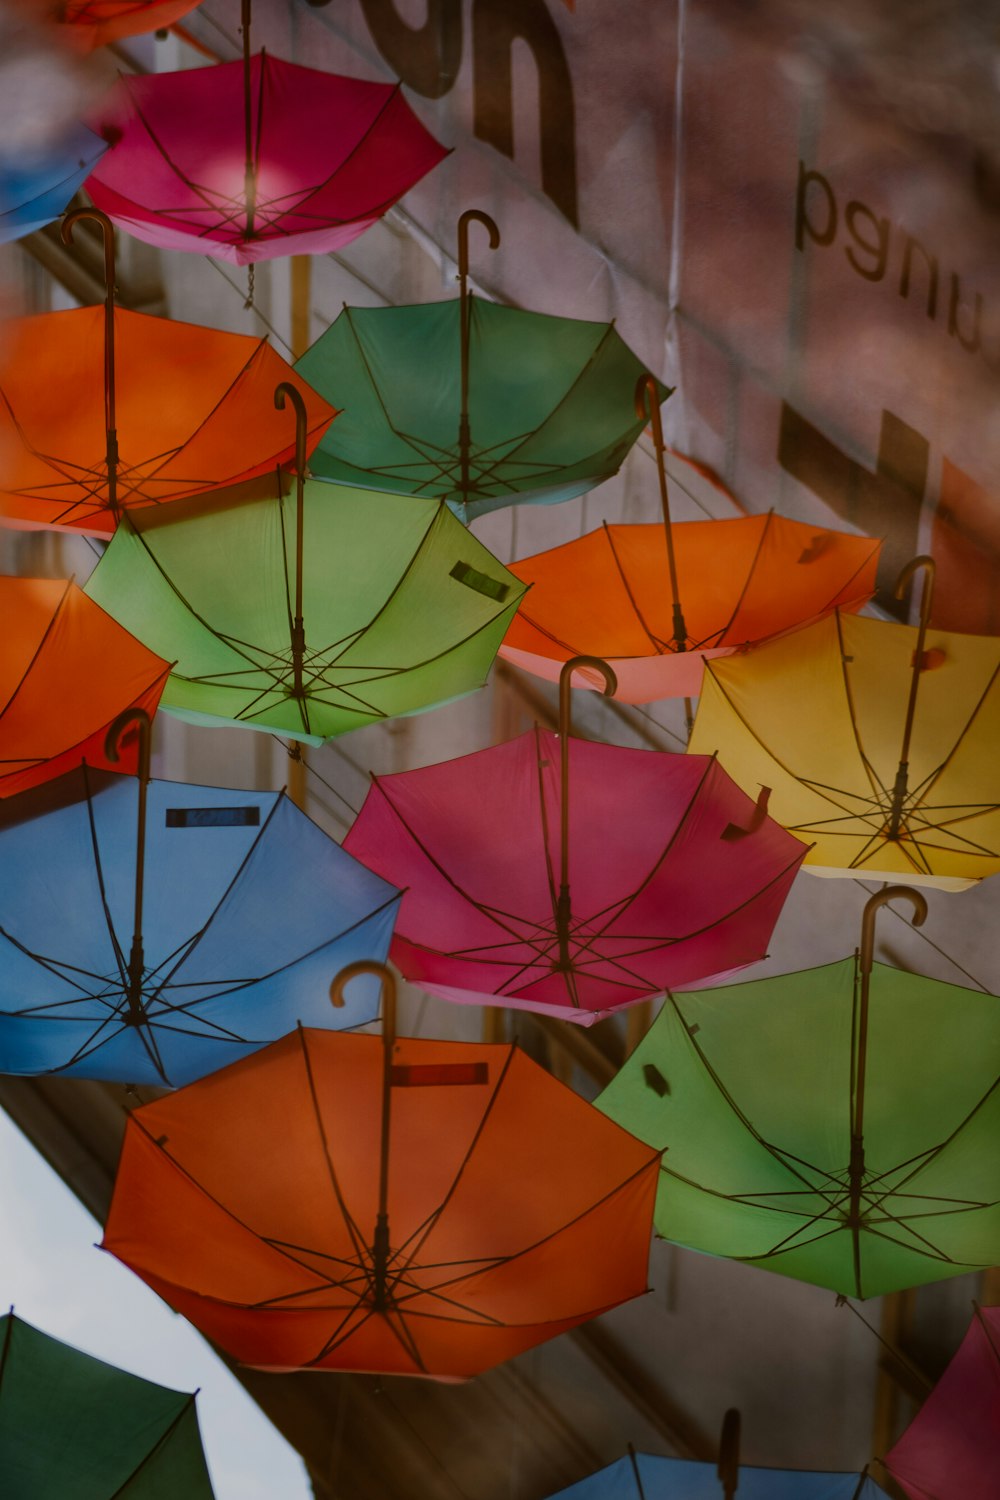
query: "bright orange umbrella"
67, 670
656, 601
94, 23
103, 410
345, 1202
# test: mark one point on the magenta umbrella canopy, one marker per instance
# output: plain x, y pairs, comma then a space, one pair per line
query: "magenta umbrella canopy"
951, 1449
327, 157
665, 886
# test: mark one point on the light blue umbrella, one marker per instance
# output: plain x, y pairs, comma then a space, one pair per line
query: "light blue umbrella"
36, 185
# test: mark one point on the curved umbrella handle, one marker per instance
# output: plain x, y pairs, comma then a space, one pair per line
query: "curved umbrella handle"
380, 1243
888, 893
729, 1453
647, 406
110, 423
473, 216
922, 564
112, 749
283, 393
565, 729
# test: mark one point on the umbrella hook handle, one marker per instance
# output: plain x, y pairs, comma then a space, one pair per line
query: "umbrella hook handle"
110, 422
647, 407
380, 1245
856, 1170
283, 393
470, 216
729, 1453
596, 664
925, 565
112, 749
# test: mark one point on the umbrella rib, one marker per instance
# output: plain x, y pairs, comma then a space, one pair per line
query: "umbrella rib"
361, 1247
609, 329
404, 437
748, 579
654, 641
164, 1438
36, 653
355, 149
116, 948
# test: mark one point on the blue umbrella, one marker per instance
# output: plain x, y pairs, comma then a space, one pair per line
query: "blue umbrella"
159, 947
642, 1477
35, 186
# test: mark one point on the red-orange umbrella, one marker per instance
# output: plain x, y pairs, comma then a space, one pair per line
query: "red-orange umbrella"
344, 1202
656, 601
94, 23
67, 670
103, 410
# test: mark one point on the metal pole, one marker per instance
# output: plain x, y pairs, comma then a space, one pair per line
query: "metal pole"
249, 169
471, 215
286, 391
647, 405
112, 749
380, 1244
565, 728
110, 423
925, 564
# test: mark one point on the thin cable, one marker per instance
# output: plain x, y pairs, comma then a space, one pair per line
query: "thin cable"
253, 308
897, 1354
870, 891
311, 768
382, 1394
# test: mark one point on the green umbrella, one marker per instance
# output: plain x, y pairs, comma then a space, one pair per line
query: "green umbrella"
838, 1125
473, 402
75, 1428
312, 614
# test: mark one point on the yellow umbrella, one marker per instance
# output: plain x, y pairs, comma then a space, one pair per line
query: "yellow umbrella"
878, 741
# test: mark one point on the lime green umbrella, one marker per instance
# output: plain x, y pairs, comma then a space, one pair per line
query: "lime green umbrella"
308, 614
838, 1125
474, 402
75, 1428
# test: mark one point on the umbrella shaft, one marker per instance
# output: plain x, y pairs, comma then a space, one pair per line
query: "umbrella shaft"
856, 1175
380, 1261
464, 445
136, 965
680, 627
898, 798
562, 929
298, 654
111, 452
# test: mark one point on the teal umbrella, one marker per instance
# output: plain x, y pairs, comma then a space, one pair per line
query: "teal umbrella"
474, 402
75, 1428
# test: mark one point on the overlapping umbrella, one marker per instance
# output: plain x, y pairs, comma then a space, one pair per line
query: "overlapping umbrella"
477, 403
657, 601
95, 23
402, 1206
311, 614
657, 871
75, 1428
951, 1449
104, 410
253, 159
878, 741
67, 670
837, 1125
151, 931
36, 184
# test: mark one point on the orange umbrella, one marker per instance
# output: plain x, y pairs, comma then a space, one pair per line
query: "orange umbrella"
345, 1202
656, 601
102, 410
94, 23
67, 670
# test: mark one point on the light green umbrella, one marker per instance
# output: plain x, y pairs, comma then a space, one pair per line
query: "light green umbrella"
838, 1125
474, 402
75, 1428
312, 614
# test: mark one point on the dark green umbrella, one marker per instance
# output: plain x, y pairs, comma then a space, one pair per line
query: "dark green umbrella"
838, 1125
473, 402
75, 1428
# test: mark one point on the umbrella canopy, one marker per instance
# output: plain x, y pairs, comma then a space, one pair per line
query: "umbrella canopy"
94, 23
879, 742
104, 410
478, 404
236, 904
656, 871
75, 1428
842, 1137
644, 1477
36, 185
744, 581
951, 1449
66, 671
407, 1207
250, 160
312, 614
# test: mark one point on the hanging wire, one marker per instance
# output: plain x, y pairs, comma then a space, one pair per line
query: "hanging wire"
253, 308
295, 754
897, 1354
870, 891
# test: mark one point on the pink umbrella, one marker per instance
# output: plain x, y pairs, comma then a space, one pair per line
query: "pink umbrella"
951, 1450
659, 872
254, 159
